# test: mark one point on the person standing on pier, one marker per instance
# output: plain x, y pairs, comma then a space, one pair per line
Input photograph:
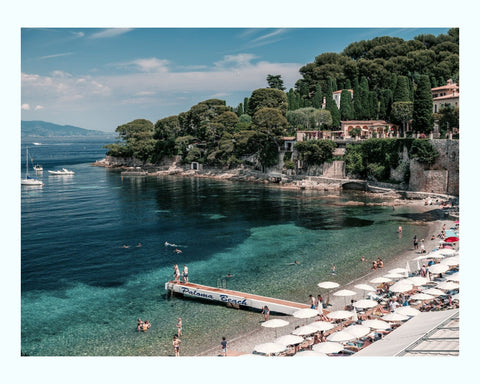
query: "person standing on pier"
185, 273
176, 274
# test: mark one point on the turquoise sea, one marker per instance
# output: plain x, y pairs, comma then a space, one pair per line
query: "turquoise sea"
82, 292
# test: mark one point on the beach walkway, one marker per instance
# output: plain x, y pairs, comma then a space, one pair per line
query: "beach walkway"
235, 299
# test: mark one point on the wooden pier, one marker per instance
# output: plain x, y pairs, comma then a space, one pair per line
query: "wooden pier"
231, 298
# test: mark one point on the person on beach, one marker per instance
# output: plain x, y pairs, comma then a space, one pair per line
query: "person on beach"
319, 303
312, 301
185, 274
415, 242
223, 344
176, 345
179, 327
379, 263
374, 265
422, 246
266, 313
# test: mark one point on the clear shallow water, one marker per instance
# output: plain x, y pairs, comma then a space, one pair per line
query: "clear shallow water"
82, 291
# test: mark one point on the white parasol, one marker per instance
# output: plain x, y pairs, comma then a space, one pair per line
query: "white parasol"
328, 284
328, 347
400, 271
401, 287
289, 340
321, 325
340, 315
451, 261
394, 316
376, 324
433, 292
341, 336
308, 353
454, 277
380, 280
438, 268
448, 285
304, 331
418, 280
345, 293
269, 348
394, 276
407, 310
358, 330
365, 303
447, 251
365, 288
421, 297
305, 313
275, 323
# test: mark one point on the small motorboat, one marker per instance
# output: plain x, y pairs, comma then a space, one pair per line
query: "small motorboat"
38, 168
62, 171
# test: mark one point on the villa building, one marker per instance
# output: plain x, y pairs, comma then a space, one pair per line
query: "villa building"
445, 95
337, 96
369, 128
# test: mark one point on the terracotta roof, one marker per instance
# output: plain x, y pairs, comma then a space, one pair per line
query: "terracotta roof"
450, 96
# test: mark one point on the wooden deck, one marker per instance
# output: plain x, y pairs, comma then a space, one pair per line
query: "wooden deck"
234, 299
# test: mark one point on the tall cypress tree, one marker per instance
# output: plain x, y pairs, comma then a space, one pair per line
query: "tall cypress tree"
317, 97
331, 105
365, 112
422, 120
401, 92
357, 100
346, 105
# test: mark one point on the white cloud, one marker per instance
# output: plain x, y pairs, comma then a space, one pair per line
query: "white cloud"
240, 60
111, 32
38, 107
25, 107
148, 65
55, 55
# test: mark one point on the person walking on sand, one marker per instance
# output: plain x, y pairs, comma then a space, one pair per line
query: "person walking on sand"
415, 242
266, 313
179, 327
223, 344
176, 345
312, 301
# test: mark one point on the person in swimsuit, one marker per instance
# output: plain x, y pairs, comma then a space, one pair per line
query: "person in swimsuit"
223, 343
176, 345
179, 327
185, 273
266, 313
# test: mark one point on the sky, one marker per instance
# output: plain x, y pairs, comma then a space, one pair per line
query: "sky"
100, 78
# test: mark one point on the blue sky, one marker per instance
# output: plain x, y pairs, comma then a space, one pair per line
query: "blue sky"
100, 78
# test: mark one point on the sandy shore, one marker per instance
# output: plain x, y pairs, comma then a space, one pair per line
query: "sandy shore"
244, 344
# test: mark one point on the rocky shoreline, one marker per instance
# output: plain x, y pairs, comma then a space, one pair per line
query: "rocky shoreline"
391, 195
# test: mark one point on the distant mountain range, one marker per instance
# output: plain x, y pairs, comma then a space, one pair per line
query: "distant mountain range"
45, 129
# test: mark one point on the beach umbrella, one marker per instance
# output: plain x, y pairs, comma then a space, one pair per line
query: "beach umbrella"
438, 268
451, 239
341, 336
328, 284
328, 347
400, 271
365, 303
269, 348
380, 280
451, 261
275, 323
448, 285
394, 316
289, 340
365, 288
421, 297
401, 287
407, 310
304, 331
447, 251
433, 292
321, 325
345, 293
358, 330
394, 276
418, 280
376, 324
309, 352
305, 313
340, 315
454, 277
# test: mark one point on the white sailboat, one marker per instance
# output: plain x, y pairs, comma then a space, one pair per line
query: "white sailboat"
30, 180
